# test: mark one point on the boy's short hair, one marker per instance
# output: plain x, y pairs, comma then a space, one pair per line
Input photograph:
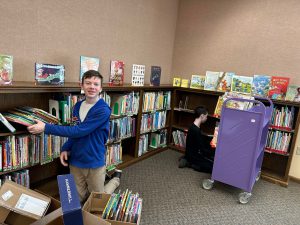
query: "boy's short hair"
91, 73
200, 110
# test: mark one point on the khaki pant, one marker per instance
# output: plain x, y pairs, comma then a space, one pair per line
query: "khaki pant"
88, 180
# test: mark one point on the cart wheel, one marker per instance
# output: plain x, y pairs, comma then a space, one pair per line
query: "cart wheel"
207, 184
258, 176
244, 197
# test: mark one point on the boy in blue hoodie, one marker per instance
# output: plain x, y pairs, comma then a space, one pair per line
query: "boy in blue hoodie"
85, 149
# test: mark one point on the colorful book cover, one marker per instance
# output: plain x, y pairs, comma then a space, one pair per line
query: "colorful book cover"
185, 83
155, 75
212, 80
293, 93
6, 69
241, 84
116, 77
138, 75
261, 85
88, 63
49, 74
176, 81
197, 81
224, 83
278, 87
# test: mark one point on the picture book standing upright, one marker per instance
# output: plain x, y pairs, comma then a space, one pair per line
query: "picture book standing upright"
279, 87
155, 75
138, 75
49, 74
261, 85
6, 69
116, 77
88, 63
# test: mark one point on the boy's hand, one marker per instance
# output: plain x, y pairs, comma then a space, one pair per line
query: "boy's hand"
64, 158
37, 128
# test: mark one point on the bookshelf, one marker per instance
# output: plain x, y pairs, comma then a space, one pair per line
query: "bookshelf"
276, 163
30, 94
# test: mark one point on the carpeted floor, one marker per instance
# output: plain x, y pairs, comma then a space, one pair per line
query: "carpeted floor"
175, 196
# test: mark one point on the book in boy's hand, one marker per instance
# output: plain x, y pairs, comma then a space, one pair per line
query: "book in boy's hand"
6, 69
49, 74
116, 77
88, 63
7, 124
278, 87
155, 75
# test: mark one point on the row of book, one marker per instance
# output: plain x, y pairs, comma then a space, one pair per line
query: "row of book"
113, 156
153, 121
274, 87
18, 151
54, 74
154, 140
156, 101
179, 138
123, 104
20, 177
283, 117
121, 128
278, 141
125, 206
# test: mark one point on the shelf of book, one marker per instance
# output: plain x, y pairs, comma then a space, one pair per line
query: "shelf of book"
177, 148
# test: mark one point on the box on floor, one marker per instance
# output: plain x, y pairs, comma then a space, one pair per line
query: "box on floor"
21, 206
95, 206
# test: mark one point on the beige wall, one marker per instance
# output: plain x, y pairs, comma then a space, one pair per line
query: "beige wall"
59, 31
242, 36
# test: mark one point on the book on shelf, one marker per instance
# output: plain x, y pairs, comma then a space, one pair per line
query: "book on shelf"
7, 124
155, 75
49, 74
212, 80
116, 77
176, 81
197, 81
261, 85
293, 93
6, 69
88, 63
185, 83
224, 82
242, 84
138, 75
278, 87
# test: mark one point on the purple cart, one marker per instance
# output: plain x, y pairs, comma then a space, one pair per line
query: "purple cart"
240, 149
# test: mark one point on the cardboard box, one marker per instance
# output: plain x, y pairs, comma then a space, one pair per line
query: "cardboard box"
10, 196
69, 199
95, 205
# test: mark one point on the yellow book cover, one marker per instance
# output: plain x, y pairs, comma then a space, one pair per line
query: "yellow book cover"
185, 83
176, 81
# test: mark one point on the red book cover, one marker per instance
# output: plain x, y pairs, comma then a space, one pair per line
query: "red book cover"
116, 77
278, 87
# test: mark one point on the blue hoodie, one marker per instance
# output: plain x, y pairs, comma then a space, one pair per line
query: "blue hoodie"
86, 140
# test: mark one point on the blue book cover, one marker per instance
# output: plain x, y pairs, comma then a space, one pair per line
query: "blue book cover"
261, 85
155, 75
49, 74
69, 200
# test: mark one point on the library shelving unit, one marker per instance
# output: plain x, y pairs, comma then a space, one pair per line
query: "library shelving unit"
277, 155
30, 94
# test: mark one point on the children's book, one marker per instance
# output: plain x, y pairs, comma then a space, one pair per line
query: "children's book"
293, 93
197, 81
241, 84
49, 74
6, 69
155, 75
261, 85
116, 77
212, 80
224, 82
185, 83
88, 63
278, 87
7, 124
176, 81
138, 75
